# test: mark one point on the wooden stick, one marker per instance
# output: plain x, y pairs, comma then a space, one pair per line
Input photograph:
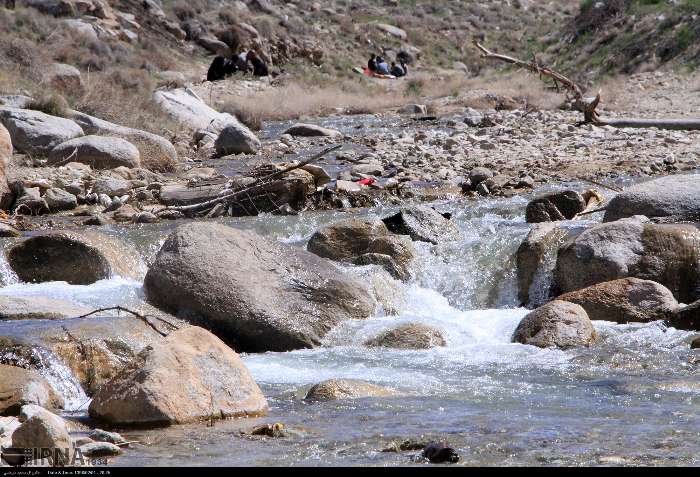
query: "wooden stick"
143, 318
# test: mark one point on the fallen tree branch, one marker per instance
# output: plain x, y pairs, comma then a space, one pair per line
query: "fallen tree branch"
141, 317
588, 105
236, 194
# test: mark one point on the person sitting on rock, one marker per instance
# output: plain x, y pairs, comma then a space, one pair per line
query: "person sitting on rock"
259, 66
397, 70
382, 66
372, 63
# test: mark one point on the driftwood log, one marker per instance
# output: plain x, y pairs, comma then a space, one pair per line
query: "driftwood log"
588, 105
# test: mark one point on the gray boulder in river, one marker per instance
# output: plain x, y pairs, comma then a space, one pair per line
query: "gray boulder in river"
558, 323
422, 223
77, 257
539, 244
190, 376
668, 254
627, 300
333, 389
408, 336
671, 196
257, 294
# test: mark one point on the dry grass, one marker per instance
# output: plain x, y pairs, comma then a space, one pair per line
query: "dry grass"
496, 88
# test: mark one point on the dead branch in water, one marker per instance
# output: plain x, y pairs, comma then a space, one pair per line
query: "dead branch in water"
588, 105
245, 191
141, 317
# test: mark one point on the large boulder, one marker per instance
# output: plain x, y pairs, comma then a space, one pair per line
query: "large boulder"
423, 224
310, 130
77, 257
99, 152
671, 196
37, 308
334, 389
156, 152
187, 109
364, 242
392, 30
42, 429
190, 376
541, 242
257, 294
556, 206
627, 300
557, 324
36, 133
19, 386
665, 253
408, 336
64, 78
6, 195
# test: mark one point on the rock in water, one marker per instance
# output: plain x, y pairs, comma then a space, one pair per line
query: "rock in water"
6, 195
42, 429
422, 223
99, 152
38, 308
333, 389
557, 206
190, 376
627, 300
100, 449
668, 254
258, 294
672, 196
439, 453
311, 130
532, 253
36, 133
58, 199
19, 386
235, 138
409, 336
558, 323
77, 257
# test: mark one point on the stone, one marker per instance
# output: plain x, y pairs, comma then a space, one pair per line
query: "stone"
100, 435
58, 199
235, 138
213, 275
334, 389
392, 30
414, 109
19, 386
310, 130
99, 152
77, 257
100, 449
30, 202
479, 175
36, 133
557, 324
64, 78
668, 254
189, 376
111, 187
556, 206
38, 308
671, 196
6, 195
7, 230
422, 223
541, 243
409, 336
627, 300
43, 429
155, 152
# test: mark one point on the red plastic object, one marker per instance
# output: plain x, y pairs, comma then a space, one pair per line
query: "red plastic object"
366, 181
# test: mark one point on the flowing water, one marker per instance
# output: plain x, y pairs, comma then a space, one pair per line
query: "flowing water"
633, 398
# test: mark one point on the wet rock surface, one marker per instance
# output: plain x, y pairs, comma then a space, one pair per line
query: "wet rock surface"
558, 323
334, 389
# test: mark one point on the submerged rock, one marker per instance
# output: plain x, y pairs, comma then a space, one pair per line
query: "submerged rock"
100, 449
408, 336
672, 196
256, 293
633, 247
423, 224
627, 300
19, 386
77, 257
558, 323
439, 453
334, 389
38, 308
189, 376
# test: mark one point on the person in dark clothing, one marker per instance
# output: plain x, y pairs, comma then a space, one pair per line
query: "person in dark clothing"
382, 66
405, 68
372, 63
217, 69
241, 61
396, 70
259, 66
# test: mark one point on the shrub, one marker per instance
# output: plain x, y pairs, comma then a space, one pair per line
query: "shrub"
51, 104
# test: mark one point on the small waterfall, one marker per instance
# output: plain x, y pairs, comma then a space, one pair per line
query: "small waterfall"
7, 275
58, 375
